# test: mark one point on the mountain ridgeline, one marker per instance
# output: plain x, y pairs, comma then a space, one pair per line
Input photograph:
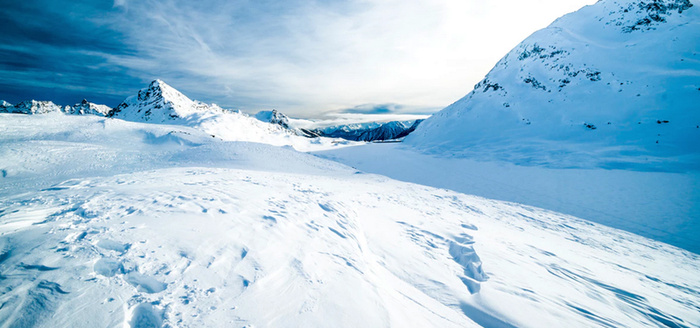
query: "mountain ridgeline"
161, 103
370, 131
32, 107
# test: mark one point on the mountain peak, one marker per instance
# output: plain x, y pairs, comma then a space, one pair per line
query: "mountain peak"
159, 102
273, 117
159, 84
86, 107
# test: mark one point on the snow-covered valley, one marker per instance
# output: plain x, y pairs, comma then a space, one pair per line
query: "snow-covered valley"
109, 223
663, 206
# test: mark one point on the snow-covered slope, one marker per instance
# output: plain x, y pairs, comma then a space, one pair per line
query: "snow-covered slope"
615, 85
105, 222
663, 206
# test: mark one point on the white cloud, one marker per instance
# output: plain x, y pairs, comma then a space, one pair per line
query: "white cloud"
305, 58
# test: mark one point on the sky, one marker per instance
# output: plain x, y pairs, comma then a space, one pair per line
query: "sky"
304, 58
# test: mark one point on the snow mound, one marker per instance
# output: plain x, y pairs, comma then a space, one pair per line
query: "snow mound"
614, 85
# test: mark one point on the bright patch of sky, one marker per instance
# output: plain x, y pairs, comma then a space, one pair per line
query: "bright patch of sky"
305, 58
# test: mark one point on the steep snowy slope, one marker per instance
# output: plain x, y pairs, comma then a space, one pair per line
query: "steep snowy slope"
111, 223
615, 85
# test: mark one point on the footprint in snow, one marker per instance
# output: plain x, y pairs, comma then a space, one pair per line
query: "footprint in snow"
145, 315
145, 284
108, 267
113, 246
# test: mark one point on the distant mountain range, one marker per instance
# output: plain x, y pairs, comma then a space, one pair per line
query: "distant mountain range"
161, 103
373, 131
43, 107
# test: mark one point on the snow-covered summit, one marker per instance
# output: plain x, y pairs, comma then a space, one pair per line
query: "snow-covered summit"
157, 103
85, 107
161, 103
274, 117
614, 85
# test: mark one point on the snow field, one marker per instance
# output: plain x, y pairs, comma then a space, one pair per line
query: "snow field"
176, 228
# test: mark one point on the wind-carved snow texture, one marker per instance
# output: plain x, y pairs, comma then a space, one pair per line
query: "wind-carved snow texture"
213, 233
613, 85
463, 253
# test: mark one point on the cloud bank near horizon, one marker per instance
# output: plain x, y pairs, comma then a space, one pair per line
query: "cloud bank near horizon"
305, 58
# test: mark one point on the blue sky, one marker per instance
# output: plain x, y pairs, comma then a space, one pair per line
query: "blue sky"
304, 58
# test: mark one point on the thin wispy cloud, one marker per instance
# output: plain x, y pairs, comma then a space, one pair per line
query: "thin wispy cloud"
302, 57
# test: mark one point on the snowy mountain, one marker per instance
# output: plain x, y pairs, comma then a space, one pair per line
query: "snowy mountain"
274, 117
615, 85
107, 223
160, 103
30, 107
87, 108
371, 131
45, 107
277, 118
